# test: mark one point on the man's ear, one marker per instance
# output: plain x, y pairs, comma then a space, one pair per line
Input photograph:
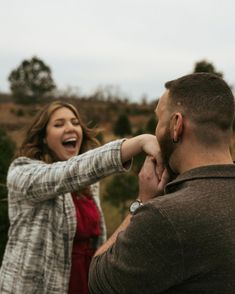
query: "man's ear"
177, 126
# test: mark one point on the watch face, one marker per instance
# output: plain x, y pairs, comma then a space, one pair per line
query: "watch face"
136, 204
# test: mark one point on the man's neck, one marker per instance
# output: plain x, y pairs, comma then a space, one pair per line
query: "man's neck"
186, 159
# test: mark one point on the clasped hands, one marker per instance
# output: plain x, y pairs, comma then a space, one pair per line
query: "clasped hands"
153, 175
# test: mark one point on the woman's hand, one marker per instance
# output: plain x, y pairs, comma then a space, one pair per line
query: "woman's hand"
151, 147
147, 143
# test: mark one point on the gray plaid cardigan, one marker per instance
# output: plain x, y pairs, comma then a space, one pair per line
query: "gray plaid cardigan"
37, 258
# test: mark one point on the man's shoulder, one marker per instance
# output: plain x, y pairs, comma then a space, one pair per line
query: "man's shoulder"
179, 207
173, 200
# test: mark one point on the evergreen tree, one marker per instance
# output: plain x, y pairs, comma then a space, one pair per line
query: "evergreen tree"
120, 190
205, 66
122, 126
151, 125
31, 81
7, 148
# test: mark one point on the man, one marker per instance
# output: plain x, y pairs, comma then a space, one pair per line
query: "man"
182, 241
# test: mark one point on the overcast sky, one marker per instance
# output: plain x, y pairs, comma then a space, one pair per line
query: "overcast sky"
133, 45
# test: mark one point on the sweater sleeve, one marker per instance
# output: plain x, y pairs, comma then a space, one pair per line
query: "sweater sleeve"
37, 181
146, 258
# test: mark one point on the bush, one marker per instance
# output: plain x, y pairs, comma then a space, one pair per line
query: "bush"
120, 190
122, 126
7, 148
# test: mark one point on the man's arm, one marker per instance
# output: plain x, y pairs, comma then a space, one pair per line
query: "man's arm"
150, 186
113, 238
145, 257
138, 252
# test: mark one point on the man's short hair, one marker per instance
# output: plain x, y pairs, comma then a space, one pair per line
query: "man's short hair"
206, 99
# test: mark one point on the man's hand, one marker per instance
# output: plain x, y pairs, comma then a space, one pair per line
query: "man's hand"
150, 183
151, 147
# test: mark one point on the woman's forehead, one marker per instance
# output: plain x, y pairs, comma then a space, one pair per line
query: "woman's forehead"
63, 112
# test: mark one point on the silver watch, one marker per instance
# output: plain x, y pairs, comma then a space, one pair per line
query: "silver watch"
135, 205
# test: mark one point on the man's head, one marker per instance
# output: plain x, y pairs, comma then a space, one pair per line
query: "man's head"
202, 103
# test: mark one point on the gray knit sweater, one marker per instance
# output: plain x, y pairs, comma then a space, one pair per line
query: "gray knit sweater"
182, 242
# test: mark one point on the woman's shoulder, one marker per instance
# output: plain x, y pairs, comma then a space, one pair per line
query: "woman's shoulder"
24, 160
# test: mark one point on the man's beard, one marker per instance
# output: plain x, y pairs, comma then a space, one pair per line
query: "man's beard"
167, 147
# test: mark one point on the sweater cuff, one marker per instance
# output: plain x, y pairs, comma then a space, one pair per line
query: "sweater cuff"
117, 159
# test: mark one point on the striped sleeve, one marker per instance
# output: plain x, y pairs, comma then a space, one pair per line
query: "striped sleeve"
37, 181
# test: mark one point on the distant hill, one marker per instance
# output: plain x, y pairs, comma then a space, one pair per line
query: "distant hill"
95, 112
5, 98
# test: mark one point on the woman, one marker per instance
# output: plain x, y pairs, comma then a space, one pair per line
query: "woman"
55, 218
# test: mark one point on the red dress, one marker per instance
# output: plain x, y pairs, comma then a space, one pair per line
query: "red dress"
87, 231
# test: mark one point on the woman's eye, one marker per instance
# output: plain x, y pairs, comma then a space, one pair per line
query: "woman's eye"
76, 123
58, 125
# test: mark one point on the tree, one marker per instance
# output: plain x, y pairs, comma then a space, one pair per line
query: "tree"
122, 126
205, 66
121, 189
31, 81
7, 148
151, 125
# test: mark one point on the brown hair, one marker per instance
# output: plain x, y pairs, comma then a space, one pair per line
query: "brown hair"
33, 145
207, 100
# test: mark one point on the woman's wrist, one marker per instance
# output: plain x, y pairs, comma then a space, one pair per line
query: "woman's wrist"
135, 145
131, 147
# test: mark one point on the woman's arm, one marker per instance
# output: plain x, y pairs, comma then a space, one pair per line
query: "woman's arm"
35, 181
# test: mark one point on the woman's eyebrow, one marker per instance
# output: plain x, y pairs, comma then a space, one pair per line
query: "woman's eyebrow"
59, 119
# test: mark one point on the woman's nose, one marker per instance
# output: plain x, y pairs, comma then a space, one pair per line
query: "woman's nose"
69, 127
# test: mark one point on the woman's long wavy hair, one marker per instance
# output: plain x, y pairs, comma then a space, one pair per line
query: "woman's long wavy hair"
33, 145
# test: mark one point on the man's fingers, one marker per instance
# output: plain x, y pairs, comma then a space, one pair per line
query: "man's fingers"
159, 167
164, 179
148, 167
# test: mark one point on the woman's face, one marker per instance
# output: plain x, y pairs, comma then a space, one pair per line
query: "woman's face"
64, 134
